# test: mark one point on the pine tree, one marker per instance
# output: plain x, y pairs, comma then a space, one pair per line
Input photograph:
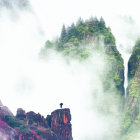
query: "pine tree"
101, 24
80, 21
63, 34
71, 32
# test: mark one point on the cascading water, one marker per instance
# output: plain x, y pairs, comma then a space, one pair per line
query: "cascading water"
126, 33
126, 59
126, 53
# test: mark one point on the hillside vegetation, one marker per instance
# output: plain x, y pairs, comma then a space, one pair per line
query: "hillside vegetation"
80, 41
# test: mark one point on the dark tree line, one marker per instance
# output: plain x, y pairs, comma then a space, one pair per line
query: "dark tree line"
82, 29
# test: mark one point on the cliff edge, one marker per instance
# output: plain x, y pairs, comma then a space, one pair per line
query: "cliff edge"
33, 126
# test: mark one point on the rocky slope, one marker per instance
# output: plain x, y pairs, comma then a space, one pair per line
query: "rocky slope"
32, 126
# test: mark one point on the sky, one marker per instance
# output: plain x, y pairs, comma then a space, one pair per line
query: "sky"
61, 12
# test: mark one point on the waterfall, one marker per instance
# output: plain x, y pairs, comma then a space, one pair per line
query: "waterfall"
126, 59
126, 53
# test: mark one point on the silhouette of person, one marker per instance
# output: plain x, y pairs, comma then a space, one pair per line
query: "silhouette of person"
61, 104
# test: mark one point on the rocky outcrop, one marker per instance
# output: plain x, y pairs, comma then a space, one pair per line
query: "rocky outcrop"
33, 126
21, 115
37, 118
60, 124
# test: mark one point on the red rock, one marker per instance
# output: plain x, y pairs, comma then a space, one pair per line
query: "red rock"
60, 124
56, 126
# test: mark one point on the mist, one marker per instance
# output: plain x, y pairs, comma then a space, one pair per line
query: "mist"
40, 85
3, 137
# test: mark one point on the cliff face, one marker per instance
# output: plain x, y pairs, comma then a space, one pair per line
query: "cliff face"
60, 124
133, 103
132, 106
32, 126
133, 100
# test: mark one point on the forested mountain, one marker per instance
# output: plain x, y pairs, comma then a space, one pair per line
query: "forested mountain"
81, 40
134, 60
84, 30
